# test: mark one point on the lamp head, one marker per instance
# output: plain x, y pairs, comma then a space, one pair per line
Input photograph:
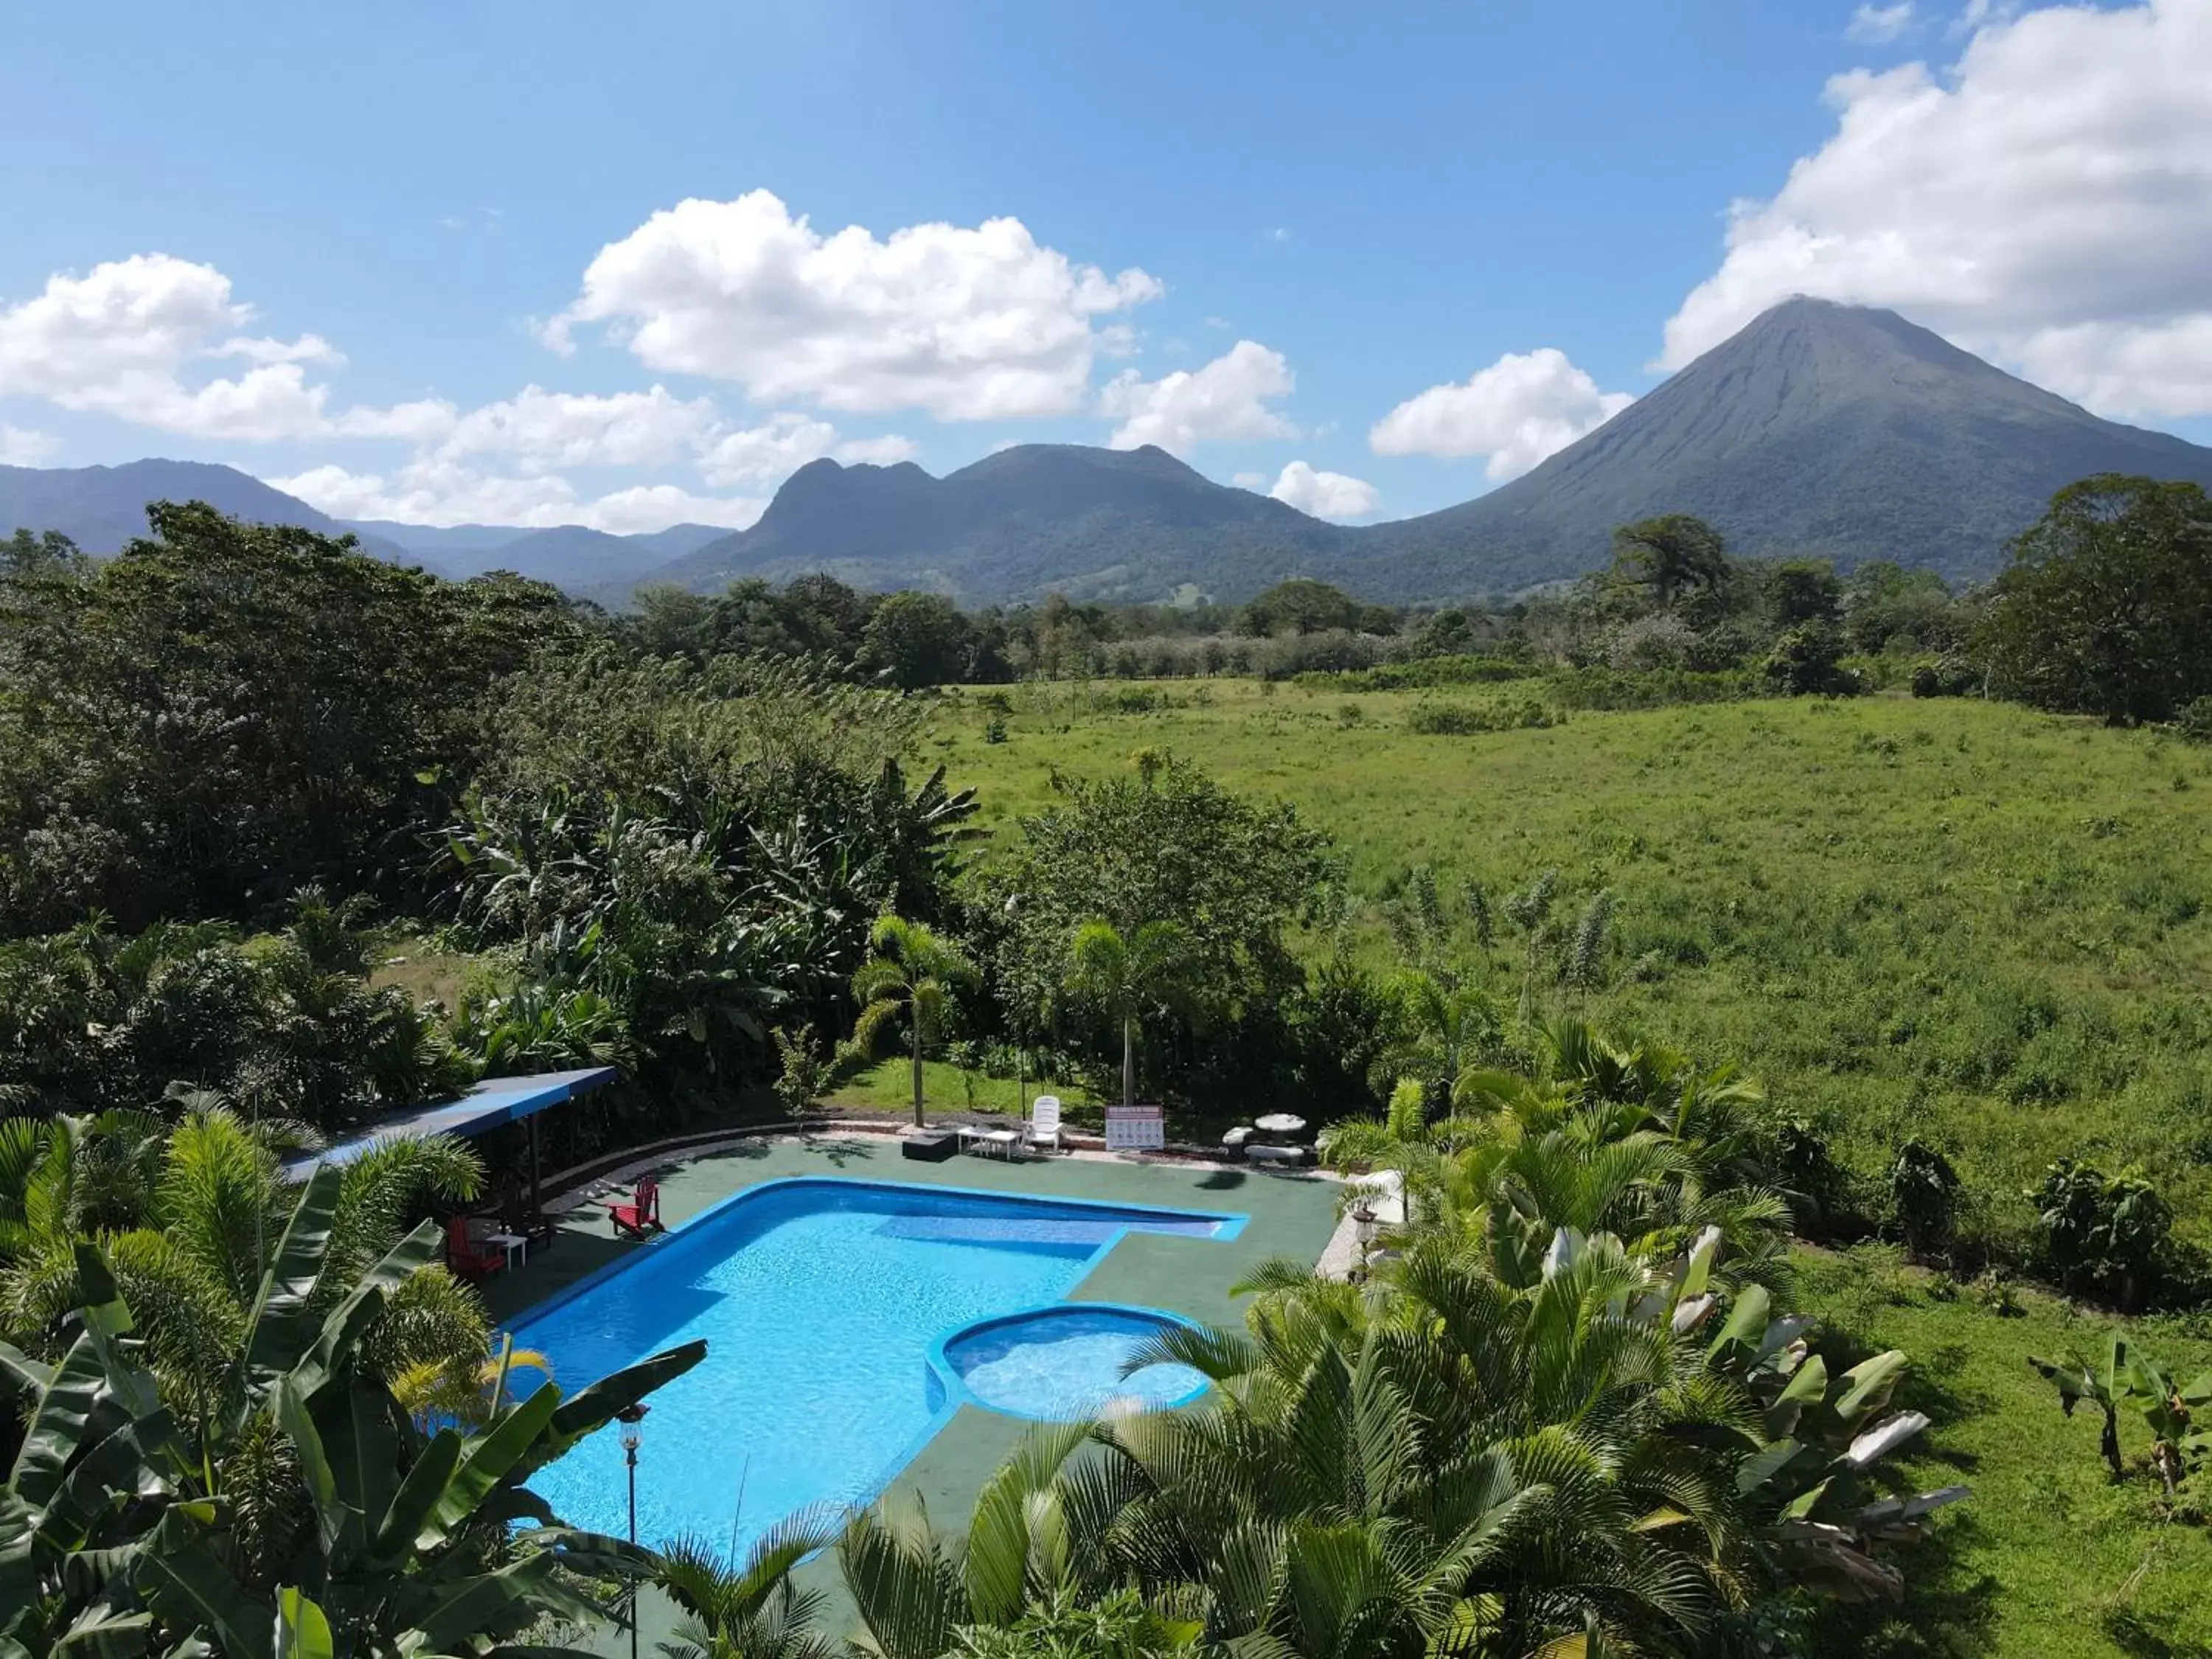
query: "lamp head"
629, 1417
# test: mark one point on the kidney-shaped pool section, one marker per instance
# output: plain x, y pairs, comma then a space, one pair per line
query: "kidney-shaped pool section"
845, 1320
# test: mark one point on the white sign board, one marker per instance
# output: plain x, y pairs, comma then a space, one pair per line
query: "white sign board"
1135, 1129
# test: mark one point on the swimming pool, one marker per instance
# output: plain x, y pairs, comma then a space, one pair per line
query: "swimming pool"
828, 1305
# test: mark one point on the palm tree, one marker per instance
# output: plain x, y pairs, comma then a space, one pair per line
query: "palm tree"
1443, 1025
1032, 1575
910, 970
749, 1609
1128, 975
191, 1229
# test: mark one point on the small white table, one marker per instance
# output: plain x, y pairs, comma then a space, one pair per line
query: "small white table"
516, 1246
1281, 1123
1001, 1141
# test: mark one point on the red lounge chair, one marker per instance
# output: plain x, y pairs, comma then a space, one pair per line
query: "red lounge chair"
471, 1260
640, 1216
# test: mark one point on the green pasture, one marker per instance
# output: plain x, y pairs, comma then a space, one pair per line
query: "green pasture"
1954, 919
1950, 918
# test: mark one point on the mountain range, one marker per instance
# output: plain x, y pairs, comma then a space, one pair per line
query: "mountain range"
101, 507
569, 555
1820, 428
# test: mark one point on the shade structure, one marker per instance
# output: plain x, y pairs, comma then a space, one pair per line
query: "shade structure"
484, 1107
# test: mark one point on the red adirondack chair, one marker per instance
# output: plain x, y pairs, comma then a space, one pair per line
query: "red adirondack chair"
642, 1214
471, 1260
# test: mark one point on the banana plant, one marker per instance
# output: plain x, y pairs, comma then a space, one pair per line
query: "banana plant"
2180, 1441
320, 1520
1822, 1439
101, 1462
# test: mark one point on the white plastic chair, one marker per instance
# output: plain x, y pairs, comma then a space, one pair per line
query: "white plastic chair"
1043, 1126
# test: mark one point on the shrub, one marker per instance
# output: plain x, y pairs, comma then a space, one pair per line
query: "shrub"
2101, 1232
1808, 661
1422, 673
1944, 677
1463, 719
1408, 1112
1818, 1187
806, 1073
1924, 1195
1660, 640
2194, 721
1604, 689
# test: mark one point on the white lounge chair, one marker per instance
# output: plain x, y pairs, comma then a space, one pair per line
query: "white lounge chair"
1044, 1126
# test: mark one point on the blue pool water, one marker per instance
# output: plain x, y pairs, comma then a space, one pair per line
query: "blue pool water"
821, 1301
1067, 1362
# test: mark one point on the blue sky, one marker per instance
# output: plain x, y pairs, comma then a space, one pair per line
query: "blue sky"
1375, 259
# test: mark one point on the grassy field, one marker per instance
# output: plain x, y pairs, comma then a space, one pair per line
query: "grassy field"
1951, 919
2049, 1559
1948, 917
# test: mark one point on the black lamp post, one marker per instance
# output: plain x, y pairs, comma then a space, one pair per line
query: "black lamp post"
630, 1417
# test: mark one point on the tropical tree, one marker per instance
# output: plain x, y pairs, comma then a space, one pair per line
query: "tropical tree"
1670, 556
1442, 1026
317, 1519
1168, 843
2107, 603
1438, 1463
2180, 1445
748, 1609
1031, 1577
910, 972
1127, 976
188, 1237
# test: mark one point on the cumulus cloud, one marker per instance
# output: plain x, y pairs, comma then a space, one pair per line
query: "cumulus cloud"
2047, 201
133, 339
968, 323
433, 492
1878, 25
21, 448
118, 340
1524, 407
775, 449
887, 451
1325, 494
543, 429
1226, 402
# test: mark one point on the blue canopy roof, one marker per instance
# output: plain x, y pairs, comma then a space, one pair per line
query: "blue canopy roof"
490, 1103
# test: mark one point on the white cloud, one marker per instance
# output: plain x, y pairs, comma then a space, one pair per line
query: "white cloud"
420, 423
1226, 402
1878, 25
763, 454
2153, 369
546, 429
649, 508
979, 323
2047, 200
20, 447
1325, 494
433, 492
886, 450
117, 341
1524, 407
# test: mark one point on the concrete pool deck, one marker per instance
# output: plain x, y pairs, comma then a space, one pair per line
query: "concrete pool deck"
1293, 1214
